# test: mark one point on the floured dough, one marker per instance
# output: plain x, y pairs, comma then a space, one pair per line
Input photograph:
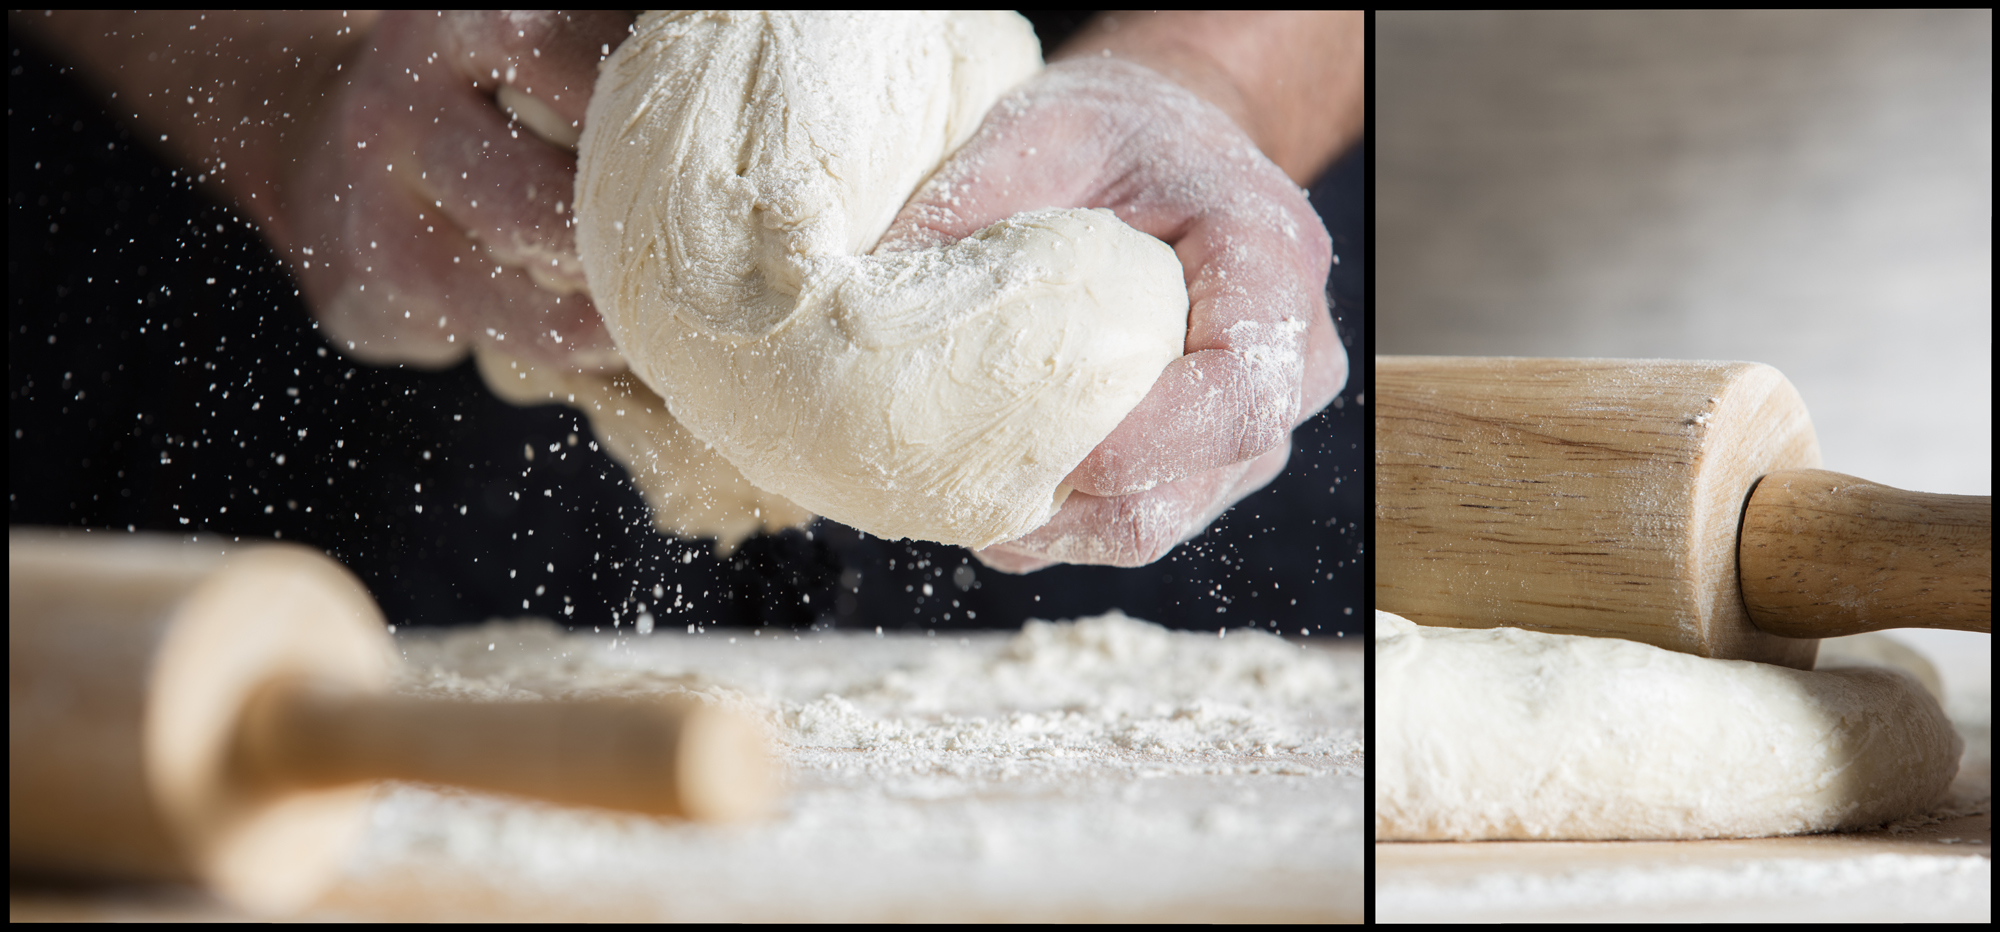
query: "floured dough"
1490, 733
689, 489
735, 172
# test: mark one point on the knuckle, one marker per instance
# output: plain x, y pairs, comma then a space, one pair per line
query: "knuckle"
1260, 439
1271, 387
1145, 528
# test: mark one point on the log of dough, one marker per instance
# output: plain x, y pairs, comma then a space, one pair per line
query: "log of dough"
1504, 733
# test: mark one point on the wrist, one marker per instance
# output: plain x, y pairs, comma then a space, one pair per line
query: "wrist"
1292, 81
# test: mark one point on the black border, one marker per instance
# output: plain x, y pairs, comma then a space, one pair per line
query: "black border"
1366, 371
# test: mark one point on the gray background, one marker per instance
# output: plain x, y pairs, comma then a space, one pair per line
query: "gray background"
1809, 189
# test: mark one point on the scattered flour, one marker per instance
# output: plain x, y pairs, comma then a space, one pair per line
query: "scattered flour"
1103, 768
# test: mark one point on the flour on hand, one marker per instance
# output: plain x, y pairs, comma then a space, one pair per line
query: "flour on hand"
1492, 733
737, 169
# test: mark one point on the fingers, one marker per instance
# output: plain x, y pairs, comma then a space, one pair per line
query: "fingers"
1326, 367
1261, 351
550, 55
503, 186
1031, 151
415, 289
439, 223
1257, 318
999, 557
1134, 530
514, 191
1208, 409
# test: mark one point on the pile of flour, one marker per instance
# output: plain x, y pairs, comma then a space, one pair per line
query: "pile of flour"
1103, 768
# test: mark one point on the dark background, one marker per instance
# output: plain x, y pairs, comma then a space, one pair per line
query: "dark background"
164, 375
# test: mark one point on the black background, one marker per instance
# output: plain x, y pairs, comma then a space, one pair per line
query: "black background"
163, 374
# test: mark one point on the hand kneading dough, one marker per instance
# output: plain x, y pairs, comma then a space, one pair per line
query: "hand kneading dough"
1508, 733
735, 171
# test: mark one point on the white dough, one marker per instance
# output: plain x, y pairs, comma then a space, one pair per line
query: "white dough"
1495, 733
736, 170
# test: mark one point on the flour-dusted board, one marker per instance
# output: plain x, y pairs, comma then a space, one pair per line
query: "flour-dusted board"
1940, 872
1105, 769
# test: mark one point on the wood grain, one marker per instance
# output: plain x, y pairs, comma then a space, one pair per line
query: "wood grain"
1825, 555
1580, 496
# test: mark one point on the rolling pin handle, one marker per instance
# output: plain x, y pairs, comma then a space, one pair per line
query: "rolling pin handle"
1822, 555
656, 756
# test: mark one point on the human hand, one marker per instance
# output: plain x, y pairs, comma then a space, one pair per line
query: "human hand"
421, 219
1261, 353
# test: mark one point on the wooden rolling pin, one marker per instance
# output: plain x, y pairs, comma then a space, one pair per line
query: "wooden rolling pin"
1674, 503
189, 712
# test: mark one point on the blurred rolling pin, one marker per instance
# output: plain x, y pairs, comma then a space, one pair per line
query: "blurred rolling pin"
181, 711
1674, 503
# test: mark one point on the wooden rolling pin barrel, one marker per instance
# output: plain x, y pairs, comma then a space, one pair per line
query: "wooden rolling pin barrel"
182, 711
1674, 503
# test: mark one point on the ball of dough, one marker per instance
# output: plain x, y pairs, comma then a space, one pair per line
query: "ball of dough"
1491, 733
736, 170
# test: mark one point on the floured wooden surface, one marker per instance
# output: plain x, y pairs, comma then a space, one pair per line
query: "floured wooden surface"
1106, 769
1939, 873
